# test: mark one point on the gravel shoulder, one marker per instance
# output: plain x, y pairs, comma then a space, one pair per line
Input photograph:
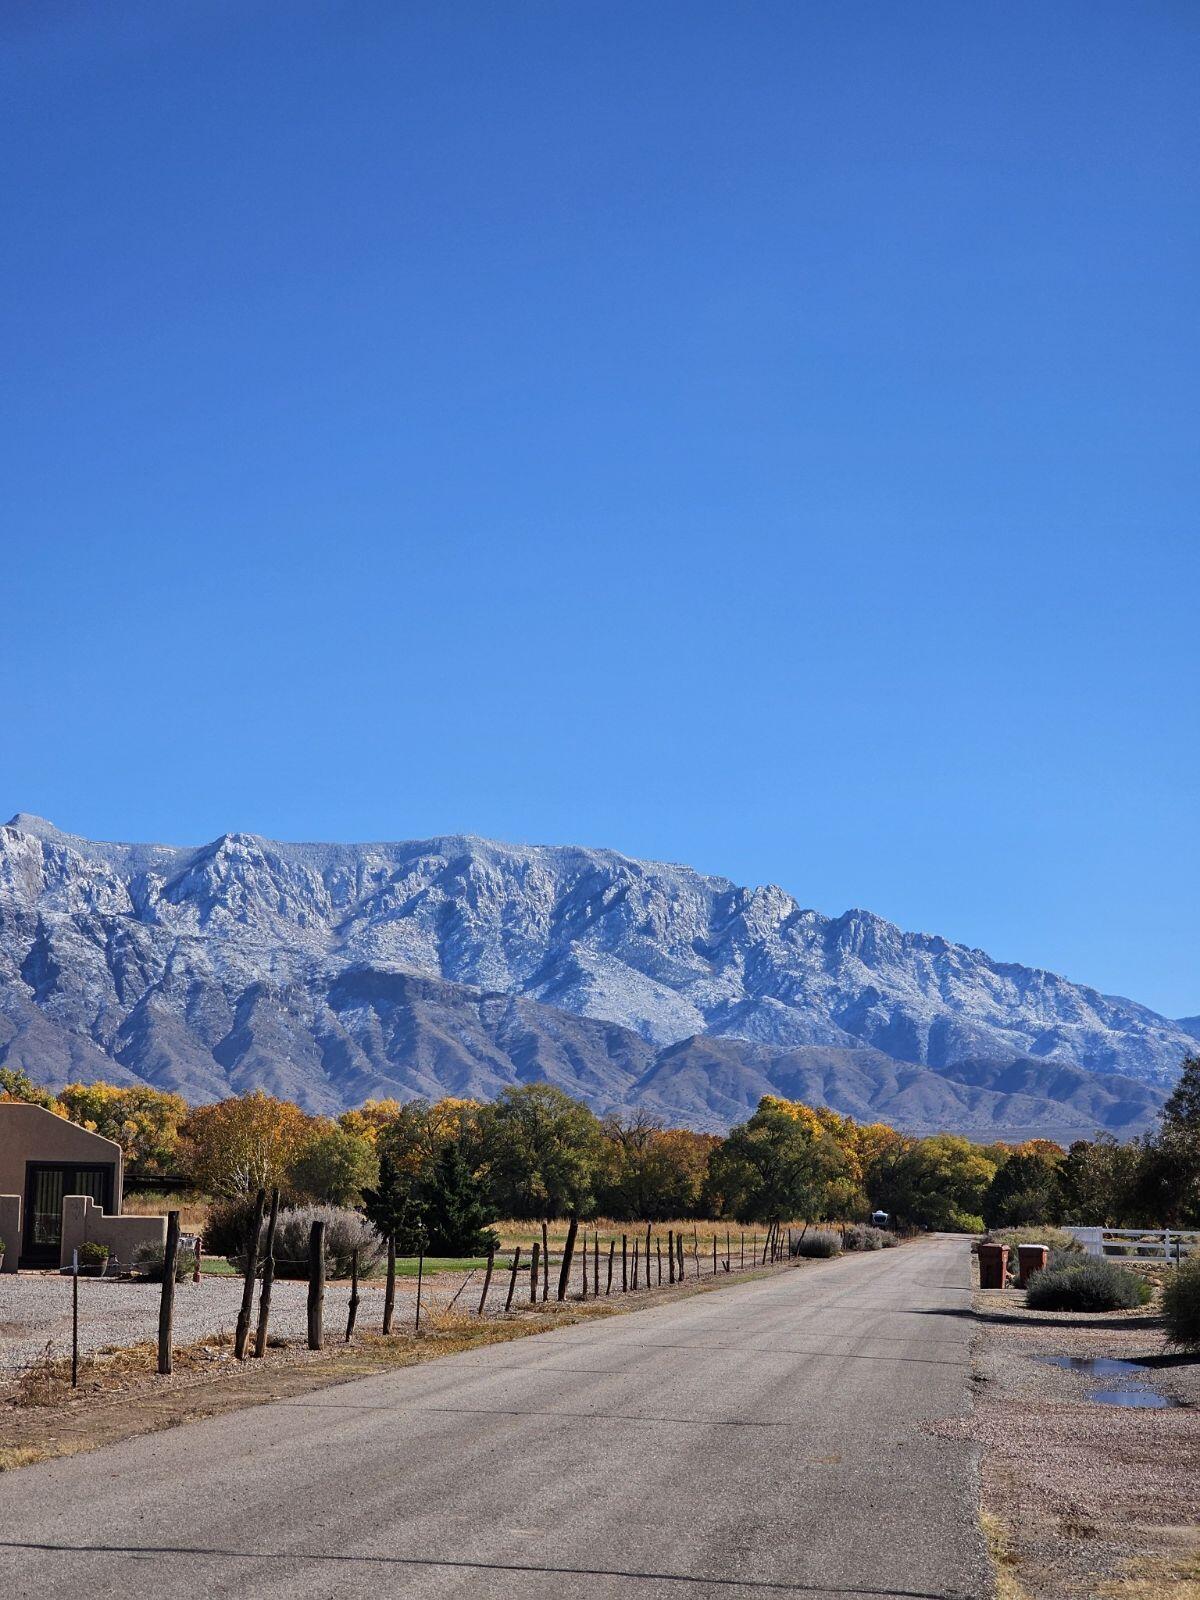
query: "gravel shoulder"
1082, 1498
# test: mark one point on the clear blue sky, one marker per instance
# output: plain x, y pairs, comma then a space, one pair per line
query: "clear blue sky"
758, 435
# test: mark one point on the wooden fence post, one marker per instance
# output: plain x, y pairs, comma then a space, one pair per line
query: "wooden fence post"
636, 1243
243, 1321
612, 1245
671, 1253
268, 1278
316, 1286
512, 1278
596, 1263
564, 1272
420, 1282
389, 1287
533, 1274
714, 1255
658, 1249
487, 1281
679, 1246
199, 1253
624, 1262
545, 1262
166, 1305
583, 1254
742, 1247
352, 1312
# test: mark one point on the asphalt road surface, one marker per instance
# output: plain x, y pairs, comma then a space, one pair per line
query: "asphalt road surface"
768, 1438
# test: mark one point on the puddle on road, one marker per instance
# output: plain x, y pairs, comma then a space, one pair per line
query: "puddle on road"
1139, 1399
1094, 1366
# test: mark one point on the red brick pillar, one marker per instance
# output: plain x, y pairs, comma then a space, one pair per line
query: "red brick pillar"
993, 1266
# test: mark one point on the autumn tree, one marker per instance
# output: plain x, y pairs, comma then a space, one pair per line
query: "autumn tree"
16, 1084
248, 1142
144, 1121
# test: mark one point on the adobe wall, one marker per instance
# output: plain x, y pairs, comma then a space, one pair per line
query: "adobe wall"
83, 1220
10, 1230
31, 1133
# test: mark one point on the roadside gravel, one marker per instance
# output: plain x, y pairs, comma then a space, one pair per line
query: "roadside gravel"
1089, 1494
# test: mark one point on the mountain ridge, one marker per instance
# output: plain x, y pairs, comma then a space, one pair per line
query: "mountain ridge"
247, 960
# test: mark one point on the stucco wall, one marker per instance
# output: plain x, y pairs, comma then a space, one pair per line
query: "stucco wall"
83, 1219
10, 1230
31, 1133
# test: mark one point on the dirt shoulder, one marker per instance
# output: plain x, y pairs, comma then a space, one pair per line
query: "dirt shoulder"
121, 1395
1081, 1498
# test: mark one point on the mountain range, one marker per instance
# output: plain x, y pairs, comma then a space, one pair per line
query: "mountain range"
331, 973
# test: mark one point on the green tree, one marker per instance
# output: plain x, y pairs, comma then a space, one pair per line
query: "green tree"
937, 1183
393, 1208
543, 1153
1100, 1181
782, 1163
454, 1208
1026, 1188
1170, 1181
335, 1165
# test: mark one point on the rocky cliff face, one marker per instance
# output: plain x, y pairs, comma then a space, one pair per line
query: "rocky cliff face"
328, 972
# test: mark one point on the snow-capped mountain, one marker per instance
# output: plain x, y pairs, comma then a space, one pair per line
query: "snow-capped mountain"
330, 972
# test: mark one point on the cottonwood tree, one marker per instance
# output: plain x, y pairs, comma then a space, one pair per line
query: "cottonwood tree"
543, 1153
782, 1163
243, 1144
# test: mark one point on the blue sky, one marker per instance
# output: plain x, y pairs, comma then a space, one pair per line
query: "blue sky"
759, 435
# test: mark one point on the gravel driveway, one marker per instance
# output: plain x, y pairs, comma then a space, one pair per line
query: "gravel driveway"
35, 1312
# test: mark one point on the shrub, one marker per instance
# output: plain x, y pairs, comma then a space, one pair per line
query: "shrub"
1060, 1241
1181, 1305
889, 1240
345, 1232
148, 1262
1088, 1285
822, 1243
228, 1225
92, 1253
863, 1237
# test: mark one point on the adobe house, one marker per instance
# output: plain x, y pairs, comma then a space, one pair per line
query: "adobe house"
60, 1185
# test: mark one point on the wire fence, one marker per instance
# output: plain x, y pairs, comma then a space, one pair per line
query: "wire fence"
50, 1319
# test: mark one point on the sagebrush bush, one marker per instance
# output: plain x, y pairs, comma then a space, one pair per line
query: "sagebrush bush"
1181, 1304
821, 1242
345, 1232
1087, 1285
148, 1262
861, 1236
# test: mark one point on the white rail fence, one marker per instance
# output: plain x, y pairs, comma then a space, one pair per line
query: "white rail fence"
1146, 1244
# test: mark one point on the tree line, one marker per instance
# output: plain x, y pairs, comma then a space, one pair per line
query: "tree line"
445, 1169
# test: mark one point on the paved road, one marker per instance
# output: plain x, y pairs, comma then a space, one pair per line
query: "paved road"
764, 1439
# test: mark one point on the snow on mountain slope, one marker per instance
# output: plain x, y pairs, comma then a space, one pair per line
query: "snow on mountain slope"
297, 965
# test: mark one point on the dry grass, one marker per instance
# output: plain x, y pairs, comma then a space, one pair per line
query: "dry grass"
192, 1208
1169, 1578
1008, 1585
